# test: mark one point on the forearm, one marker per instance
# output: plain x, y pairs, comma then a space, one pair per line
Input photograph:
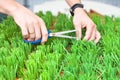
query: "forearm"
72, 2
9, 6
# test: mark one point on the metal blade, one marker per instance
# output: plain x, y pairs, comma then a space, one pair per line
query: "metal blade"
64, 36
64, 32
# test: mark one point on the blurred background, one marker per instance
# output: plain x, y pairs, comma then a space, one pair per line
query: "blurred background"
30, 3
104, 7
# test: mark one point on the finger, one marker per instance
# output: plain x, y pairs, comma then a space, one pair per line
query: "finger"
37, 31
88, 34
31, 31
44, 31
31, 28
98, 36
93, 35
31, 37
24, 30
78, 31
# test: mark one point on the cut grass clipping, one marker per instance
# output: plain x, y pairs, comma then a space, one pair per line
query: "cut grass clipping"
60, 59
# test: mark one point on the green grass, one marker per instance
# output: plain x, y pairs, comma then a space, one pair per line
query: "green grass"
60, 59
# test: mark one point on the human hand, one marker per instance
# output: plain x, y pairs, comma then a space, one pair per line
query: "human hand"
81, 20
32, 27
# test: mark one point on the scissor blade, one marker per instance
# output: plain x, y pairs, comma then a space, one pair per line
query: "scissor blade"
64, 36
64, 32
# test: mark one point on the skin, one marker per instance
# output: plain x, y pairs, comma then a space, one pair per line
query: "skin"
33, 27
81, 20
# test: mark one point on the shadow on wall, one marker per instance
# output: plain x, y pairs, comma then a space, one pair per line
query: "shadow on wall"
112, 2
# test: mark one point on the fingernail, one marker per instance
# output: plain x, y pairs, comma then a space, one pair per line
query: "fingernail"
77, 38
84, 39
28, 39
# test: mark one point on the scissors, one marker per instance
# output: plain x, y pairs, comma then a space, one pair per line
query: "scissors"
50, 34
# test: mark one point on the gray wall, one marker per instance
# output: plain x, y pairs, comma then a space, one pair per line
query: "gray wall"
112, 2
31, 3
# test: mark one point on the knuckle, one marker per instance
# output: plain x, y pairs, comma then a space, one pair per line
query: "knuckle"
32, 37
25, 35
92, 25
38, 37
45, 34
44, 40
32, 34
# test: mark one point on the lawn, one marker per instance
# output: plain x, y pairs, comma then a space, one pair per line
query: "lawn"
58, 58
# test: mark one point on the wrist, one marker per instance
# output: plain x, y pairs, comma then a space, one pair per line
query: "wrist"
79, 10
14, 9
75, 8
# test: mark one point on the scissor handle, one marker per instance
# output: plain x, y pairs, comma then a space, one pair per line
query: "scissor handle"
37, 41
